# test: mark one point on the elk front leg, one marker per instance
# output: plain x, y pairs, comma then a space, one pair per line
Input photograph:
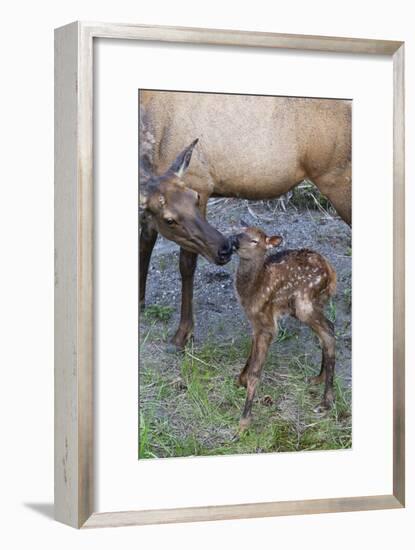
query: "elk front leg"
261, 343
188, 262
148, 237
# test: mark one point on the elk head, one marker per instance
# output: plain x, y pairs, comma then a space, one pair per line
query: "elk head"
174, 210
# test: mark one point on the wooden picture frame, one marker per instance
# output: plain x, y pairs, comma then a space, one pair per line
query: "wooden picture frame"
74, 292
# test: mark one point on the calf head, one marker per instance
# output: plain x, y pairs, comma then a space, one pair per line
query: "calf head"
252, 243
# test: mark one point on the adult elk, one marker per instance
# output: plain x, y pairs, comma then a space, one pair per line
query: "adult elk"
251, 147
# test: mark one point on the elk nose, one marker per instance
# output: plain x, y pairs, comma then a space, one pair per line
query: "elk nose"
225, 252
233, 242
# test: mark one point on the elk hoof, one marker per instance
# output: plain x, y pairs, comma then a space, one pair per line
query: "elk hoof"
240, 381
324, 406
173, 348
181, 339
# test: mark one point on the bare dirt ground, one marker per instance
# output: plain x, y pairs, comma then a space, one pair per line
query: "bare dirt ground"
219, 320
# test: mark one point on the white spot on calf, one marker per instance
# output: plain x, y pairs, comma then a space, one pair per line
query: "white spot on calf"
304, 308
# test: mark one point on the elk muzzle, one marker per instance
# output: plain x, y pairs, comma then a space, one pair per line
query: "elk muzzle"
224, 253
233, 242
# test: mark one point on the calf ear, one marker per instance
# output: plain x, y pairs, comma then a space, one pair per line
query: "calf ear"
181, 164
272, 242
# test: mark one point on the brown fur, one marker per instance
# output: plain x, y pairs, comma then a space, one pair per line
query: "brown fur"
252, 147
292, 282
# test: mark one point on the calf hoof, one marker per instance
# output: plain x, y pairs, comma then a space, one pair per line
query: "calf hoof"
244, 424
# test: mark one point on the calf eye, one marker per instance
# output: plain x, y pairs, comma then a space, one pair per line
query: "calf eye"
253, 241
170, 221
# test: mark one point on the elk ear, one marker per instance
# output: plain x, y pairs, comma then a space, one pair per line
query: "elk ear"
181, 164
143, 187
143, 201
272, 242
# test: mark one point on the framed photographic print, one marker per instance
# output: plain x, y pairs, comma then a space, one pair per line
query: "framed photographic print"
229, 274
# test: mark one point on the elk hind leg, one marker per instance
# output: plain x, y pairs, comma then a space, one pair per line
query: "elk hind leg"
337, 187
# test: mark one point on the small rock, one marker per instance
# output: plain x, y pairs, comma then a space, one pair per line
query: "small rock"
267, 401
178, 384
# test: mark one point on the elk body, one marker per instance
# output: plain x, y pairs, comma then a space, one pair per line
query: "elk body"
250, 147
293, 282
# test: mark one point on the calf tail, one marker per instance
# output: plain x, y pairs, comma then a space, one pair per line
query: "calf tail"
332, 282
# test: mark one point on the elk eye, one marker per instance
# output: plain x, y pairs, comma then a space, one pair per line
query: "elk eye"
170, 221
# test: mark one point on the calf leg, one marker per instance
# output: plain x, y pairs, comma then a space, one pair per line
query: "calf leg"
242, 379
312, 314
261, 343
325, 332
188, 262
148, 237
313, 380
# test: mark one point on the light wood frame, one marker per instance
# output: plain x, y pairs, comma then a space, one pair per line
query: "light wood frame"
74, 243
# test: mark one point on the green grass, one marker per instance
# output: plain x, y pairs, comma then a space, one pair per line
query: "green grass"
192, 407
158, 313
163, 263
332, 310
348, 297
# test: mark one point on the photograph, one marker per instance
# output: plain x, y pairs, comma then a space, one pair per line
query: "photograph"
245, 274
207, 219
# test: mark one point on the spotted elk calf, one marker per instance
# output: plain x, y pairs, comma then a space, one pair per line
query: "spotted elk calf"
293, 282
